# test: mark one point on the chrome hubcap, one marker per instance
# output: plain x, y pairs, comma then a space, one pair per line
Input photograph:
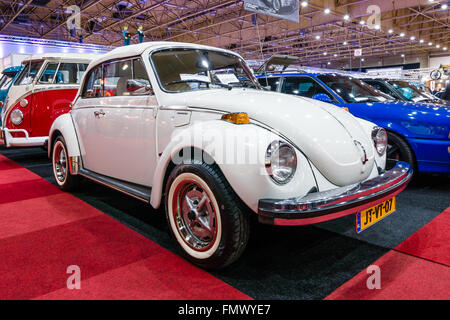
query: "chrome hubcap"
60, 163
195, 216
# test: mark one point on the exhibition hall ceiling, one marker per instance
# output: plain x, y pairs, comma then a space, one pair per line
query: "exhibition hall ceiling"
327, 31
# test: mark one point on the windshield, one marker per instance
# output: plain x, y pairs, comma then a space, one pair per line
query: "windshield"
29, 72
5, 81
181, 70
352, 90
411, 92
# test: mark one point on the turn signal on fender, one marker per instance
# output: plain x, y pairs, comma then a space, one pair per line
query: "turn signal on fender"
236, 118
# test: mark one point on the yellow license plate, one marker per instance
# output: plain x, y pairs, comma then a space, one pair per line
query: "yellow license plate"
369, 217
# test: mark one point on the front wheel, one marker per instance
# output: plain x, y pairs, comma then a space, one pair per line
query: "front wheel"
398, 150
61, 171
205, 216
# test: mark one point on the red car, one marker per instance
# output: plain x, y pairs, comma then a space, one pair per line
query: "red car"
44, 90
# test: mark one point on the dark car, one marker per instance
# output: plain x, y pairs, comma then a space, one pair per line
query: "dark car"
404, 91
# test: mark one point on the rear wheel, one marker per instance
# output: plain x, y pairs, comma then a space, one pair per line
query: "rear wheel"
61, 171
206, 218
398, 150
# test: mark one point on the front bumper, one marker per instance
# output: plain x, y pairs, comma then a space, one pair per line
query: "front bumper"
27, 141
332, 204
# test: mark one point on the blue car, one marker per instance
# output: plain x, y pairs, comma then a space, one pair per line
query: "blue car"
418, 133
9, 75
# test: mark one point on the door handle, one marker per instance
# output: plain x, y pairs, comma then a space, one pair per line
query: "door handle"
97, 114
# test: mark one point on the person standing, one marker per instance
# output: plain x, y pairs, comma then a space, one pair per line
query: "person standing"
446, 95
126, 36
140, 33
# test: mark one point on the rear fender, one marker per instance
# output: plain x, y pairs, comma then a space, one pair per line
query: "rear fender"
63, 125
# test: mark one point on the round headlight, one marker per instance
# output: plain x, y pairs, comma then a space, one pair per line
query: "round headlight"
16, 117
380, 140
281, 162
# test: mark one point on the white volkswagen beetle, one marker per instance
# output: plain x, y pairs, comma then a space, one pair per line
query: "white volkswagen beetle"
188, 126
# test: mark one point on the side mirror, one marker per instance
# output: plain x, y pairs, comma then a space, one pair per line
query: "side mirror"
322, 97
139, 87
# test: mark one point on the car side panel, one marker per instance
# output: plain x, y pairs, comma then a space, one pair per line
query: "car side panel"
244, 170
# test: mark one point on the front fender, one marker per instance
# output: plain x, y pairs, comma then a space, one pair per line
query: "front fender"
239, 151
368, 127
64, 125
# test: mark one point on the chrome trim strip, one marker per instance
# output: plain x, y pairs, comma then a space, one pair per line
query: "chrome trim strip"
116, 185
344, 198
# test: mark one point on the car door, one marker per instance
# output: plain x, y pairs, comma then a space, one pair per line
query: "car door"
117, 130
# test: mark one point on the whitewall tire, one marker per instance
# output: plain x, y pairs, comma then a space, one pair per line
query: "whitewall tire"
205, 217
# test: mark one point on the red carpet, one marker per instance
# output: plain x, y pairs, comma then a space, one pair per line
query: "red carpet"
432, 242
417, 269
43, 231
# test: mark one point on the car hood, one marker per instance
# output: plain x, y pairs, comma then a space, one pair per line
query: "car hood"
332, 139
421, 120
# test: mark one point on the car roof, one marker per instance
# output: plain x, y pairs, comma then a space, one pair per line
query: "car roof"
81, 57
290, 73
138, 49
12, 69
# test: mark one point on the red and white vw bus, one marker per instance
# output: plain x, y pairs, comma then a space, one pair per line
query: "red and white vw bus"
44, 90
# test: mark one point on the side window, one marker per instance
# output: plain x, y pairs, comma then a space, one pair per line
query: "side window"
70, 73
116, 76
379, 87
49, 73
270, 81
140, 84
28, 74
303, 86
93, 85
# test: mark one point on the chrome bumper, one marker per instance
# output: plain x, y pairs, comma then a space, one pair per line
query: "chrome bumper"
332, 204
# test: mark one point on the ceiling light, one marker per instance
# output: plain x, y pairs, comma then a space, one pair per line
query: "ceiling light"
304, 4
325, 53
438, 46
362, 22
329, 63
421, 41
335, 55
327, 11
391, 31
430, 43
444, 6
363, 59
377, 27
317, 37
412, 38
445, 48
402, 34
346, 17
402, 55
345, 43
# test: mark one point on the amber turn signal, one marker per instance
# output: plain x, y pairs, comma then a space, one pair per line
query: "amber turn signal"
236, 118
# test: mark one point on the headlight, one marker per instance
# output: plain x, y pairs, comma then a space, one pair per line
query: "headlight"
380, 139
16, 117
281, 162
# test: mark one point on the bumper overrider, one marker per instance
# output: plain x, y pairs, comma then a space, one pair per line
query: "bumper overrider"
332, 204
